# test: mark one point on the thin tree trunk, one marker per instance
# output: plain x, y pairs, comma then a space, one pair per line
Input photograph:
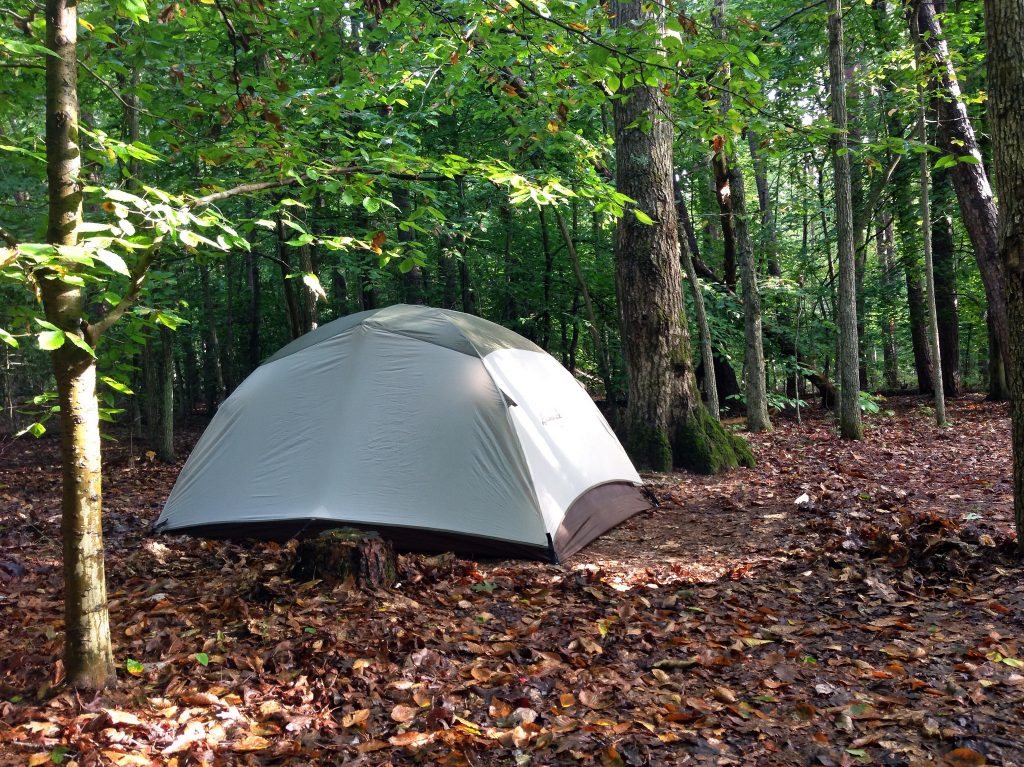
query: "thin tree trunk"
704, 334
946, 302
255, 315
600, 352
929, 268
887, 264
284, 262
850, 425
666, 424
165, 432
753, 357
216, 392
768, 239
546, 277
412, 278
88, 659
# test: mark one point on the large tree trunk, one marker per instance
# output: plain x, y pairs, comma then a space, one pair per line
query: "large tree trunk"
850, 426
666, 424
88, 660
955, 135
1004, 20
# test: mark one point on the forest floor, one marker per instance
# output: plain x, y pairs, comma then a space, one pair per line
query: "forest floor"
877, 623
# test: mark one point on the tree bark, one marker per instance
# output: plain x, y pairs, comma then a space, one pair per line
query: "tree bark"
216, 392
165, 432
666, 425
753, 357
929, 269
88, 659
1004, 21
412, 278
255, 315
768, 239
703, 331
955, 135
291, 301
887, 265
850, 425
946, 301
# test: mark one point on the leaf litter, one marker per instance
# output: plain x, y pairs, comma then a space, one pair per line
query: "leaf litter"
877, 621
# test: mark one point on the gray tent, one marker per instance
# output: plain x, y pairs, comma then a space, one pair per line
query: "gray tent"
439, 429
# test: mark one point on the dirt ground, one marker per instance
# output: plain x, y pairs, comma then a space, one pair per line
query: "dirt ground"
876, 622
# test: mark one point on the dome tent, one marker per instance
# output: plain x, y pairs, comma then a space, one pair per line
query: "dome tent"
441, 430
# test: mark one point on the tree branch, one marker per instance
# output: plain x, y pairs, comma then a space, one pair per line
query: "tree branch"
93, 332
347, 170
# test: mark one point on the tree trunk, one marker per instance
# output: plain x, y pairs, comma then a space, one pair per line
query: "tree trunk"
887, 265
291, 301
768, 239
946, 301
918, 314
252, 263
546, 277
88, 659
1004, 20
956, 136
216, 392
929, 269
666, 425
710, 384
850, 426
165, 432
753, 357
412, 277
998, 381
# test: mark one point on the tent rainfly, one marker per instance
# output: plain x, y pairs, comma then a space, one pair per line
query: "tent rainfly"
441, 430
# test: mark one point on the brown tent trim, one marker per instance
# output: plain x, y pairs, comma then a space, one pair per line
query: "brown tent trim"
596, 511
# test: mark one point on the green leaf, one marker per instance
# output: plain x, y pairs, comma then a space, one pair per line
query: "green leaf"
81, 344
27, 49
51, 339
58, 754
753, 58
116, 385
112, 261
372, 204
203, 659
35, 429
7, 338
642, 217
970, 159
133, 667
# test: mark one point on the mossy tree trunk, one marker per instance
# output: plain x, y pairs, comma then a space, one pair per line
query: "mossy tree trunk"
88, 660
665, 423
